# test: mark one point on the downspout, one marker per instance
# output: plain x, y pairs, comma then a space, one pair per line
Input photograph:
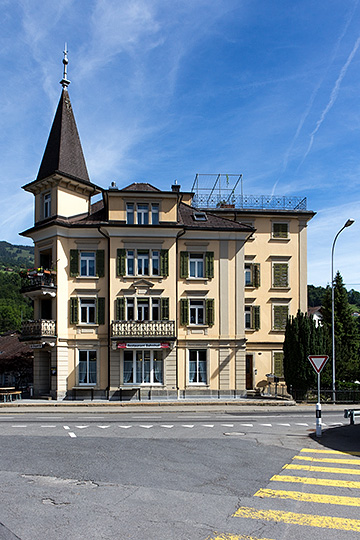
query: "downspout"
108, 306
179, 234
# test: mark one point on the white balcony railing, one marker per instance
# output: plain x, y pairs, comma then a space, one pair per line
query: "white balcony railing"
38, 328
127, 329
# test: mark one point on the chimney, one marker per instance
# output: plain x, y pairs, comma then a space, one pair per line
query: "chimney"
175, 187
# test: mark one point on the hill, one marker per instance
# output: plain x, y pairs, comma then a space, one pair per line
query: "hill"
15, 257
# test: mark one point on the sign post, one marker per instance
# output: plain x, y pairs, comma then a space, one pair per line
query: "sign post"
318, 362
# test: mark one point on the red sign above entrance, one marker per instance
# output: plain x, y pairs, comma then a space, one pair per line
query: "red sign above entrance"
127, 345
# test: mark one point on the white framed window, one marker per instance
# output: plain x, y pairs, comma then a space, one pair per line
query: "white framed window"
88, 310
142, 309
143, 367
280, 316
252, 317
280, 230
196, 265
197, 366
155, 214
197, 312
47, 205
87, 264
248, 318
252, 275
142, 262
142, 213
280, 274
87, 367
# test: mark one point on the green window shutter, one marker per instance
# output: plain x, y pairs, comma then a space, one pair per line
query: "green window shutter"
278, 364
100, 263
74, 262
164, 309
280, 230
256, 274
209, 264
280, 278
74, 310
256, 317
164, 262
120, 309
209, 312
280, 317
100, 310
120, 262
184, 264
184, 311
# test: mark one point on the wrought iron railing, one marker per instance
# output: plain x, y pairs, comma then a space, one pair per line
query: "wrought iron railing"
38, 281
127, 329
38, 328
249, 202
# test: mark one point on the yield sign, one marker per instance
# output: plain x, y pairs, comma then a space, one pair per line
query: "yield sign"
318, 362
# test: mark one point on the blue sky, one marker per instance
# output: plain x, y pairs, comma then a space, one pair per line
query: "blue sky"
165, 89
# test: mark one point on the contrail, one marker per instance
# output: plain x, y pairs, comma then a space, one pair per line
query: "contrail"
333, 97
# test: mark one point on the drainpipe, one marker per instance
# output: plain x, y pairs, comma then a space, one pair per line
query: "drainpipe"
108, 306
179, 234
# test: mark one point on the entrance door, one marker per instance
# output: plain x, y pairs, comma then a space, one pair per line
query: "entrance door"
249, 372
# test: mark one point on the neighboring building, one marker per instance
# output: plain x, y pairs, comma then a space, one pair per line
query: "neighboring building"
141, 294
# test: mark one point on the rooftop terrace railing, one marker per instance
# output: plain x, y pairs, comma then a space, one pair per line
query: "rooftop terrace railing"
249, 202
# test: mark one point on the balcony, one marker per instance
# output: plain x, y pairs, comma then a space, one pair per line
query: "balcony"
39, 282
41, 329
143, 329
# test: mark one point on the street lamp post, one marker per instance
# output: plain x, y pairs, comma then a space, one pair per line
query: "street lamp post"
349, 222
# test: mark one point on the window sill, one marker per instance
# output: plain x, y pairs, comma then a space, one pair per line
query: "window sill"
200, 385
279, 240
86, 277
280, 289
197, 279
277, 330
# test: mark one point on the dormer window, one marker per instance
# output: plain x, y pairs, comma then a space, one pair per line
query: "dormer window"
47, 205
142, 214
200, 216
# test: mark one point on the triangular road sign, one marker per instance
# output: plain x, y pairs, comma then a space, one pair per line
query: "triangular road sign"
318, 362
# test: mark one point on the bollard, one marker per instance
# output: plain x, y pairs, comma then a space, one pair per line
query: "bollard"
318, 419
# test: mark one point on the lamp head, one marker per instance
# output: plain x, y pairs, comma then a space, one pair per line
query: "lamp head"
349, 222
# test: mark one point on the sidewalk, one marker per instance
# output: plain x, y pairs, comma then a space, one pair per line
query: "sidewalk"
219, 405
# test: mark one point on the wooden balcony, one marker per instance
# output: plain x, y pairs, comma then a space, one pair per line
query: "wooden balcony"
38, 330
143, 329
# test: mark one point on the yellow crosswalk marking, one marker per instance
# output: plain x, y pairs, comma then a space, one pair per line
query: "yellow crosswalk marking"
314, 468
324, 522
329, 460
312, 450
308, 497
316, 481
235, 537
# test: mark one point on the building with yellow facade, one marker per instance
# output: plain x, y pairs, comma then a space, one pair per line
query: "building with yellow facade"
150, 294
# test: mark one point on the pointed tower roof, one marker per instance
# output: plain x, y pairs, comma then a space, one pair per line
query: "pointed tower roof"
63, 153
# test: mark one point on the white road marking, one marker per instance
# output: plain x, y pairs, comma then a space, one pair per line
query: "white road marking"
208, 425
167, 426
82, 427
146, 427
248, 425
288, 425
48, 425
103, 427
66, 427
227, 425
19, 426
300, 424
125, 427
266, 425
188, 425
71, 434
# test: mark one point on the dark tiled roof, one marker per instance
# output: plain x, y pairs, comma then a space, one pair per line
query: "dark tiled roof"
140, 186
63, 152
186, 218
11, 348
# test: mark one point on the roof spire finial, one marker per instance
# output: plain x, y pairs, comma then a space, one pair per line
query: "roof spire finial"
64, 81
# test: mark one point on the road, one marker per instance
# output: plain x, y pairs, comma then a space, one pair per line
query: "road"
178, 475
